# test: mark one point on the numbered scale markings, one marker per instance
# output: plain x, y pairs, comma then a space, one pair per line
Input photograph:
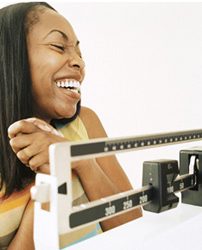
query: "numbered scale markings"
129, 200
108, 146
108, 208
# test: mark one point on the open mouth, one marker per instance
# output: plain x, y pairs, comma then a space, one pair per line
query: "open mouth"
71, 85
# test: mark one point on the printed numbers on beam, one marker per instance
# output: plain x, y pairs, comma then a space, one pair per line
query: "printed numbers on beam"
143, 198
110, 210
127, 204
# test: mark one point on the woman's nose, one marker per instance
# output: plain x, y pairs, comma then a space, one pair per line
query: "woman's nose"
76, 61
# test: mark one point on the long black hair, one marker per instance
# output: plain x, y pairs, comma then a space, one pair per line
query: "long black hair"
15, 87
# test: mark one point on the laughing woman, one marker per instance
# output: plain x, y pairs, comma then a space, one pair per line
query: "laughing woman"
42, 70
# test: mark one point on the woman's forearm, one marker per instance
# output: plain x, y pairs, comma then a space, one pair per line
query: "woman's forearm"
98, 185
23, 239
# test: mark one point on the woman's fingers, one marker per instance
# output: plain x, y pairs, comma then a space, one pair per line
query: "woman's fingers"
21, 126
30, 140
20, 141
43, 125
34, 150
45, 169
31, 157
25, 155
39, 160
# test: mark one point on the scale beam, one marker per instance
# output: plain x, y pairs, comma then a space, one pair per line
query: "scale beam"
110, 206
116, 204
161, 180
97, 147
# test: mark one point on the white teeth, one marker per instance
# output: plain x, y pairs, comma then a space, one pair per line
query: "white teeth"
75, 85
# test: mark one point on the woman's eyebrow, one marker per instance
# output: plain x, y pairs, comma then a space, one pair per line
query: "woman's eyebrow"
59, 31
63, 35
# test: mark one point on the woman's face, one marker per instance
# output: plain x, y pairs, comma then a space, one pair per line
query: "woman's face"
57, 68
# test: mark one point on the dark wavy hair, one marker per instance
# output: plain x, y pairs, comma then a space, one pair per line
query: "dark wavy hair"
15, 87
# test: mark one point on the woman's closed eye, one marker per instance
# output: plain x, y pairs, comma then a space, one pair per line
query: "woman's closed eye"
58, 47
64, 48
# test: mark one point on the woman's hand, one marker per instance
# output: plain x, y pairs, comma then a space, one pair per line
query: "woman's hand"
30, 140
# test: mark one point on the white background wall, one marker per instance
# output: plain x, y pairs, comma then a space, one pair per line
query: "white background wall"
143, 69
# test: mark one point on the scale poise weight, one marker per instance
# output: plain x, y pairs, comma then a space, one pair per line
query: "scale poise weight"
161, 180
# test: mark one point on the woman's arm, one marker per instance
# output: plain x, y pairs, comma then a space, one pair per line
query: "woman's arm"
103, 176
23, 239
100, 177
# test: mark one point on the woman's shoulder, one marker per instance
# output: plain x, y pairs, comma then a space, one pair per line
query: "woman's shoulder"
87, 114
92, 123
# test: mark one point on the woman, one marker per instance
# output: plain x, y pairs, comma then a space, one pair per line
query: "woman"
41, 74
